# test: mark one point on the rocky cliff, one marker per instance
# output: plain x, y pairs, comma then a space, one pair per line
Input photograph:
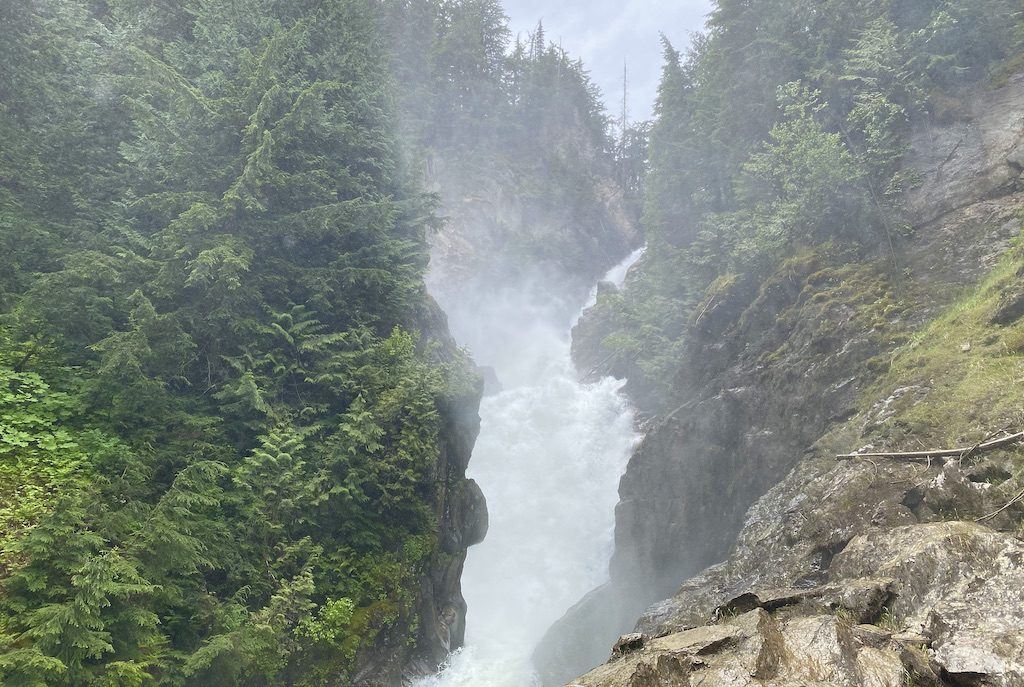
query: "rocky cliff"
868, 571
418, 644
499, 222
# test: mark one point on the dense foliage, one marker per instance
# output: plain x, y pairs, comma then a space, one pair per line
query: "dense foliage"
218, 427
465, 84
784, 127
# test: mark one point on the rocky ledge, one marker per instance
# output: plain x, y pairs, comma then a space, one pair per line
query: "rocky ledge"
929, 604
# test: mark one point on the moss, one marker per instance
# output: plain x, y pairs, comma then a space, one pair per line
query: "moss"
836, 295
717, 293
1008, 68
794, 272
969, 368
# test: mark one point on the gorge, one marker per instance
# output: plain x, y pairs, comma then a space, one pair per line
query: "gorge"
330, 355
548, 457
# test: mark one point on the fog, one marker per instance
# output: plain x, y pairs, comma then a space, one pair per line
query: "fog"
549, 457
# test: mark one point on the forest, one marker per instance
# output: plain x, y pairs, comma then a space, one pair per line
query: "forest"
226, 403
784, 127
222, 398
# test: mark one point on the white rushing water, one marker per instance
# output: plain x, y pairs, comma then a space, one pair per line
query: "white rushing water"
549, 457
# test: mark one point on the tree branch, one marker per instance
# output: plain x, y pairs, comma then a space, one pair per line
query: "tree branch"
941, 453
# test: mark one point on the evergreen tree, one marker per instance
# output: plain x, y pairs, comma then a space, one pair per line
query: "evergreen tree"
219, 435
740, 178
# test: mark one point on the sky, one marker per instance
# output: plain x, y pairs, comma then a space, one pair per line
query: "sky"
606, 32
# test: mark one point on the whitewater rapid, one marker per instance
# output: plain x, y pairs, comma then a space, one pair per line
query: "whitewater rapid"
549, 457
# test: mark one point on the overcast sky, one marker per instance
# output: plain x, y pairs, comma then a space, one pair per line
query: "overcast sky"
606, 32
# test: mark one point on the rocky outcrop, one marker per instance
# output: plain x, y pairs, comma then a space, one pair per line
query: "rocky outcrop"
931, 604
593, 361
977, 155
460, 512
497, 221
778, 377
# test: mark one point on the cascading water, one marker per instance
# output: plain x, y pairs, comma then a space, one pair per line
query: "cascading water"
549, 457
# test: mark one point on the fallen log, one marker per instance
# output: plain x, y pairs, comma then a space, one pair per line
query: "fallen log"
941, 453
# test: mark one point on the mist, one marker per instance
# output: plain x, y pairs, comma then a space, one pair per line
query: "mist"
549, 456
392, 343
609, 35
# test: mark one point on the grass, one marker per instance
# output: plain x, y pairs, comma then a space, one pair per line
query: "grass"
972, 369
1005, 70
889, 621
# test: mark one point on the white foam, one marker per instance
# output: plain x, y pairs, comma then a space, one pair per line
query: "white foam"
549, 457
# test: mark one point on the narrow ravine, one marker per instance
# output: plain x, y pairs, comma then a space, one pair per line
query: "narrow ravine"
549, 458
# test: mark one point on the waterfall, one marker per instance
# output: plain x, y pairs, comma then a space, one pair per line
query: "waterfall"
549, 457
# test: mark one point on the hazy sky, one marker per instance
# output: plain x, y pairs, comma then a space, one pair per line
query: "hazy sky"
605, 32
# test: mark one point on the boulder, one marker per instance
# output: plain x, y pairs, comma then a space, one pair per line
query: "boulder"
944, 602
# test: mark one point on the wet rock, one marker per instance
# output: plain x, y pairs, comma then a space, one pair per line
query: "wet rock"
469, 520
592, 360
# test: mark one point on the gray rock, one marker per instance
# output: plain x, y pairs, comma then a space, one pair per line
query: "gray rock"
729, 475
871, 636
956, 588
627, 644
978, 156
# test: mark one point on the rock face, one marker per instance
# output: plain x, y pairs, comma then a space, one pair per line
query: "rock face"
775, 378
592, 361
977, 156
932, 604
460, 511
495, 223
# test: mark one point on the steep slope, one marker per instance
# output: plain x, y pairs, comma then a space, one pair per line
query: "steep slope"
513, 139
834, 352
817, 195
883, 569
506, 220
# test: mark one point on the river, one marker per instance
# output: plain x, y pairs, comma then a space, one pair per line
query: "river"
549, 457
